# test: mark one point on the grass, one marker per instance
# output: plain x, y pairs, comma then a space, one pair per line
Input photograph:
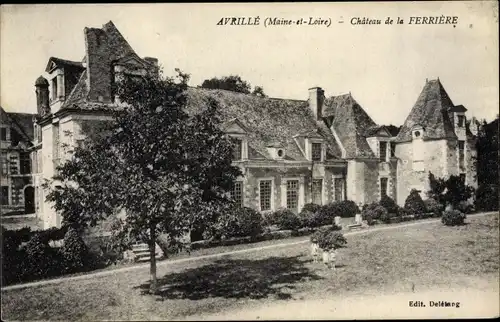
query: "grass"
401, 259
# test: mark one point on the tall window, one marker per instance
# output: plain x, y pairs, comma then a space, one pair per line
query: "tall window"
461, 120
237, 149
338, 184
292, 195
317, 191
5, 163
461, 155
16, 196
316, 151
14, 164
265, 190
25, 163
5, 195
393, 149
3, 134
54, 88
383, 151
383, 187
237, 193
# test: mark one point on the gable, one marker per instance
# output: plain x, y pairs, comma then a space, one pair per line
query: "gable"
234, 127
132, 62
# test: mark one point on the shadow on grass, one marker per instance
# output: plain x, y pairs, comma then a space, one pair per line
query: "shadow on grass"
252, 279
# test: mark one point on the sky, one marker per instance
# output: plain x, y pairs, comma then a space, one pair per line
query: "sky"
384, 67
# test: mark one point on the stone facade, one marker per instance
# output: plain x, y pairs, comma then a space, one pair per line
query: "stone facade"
292, 152
17, 192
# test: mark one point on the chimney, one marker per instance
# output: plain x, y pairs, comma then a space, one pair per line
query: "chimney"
42, 96
152, 61
316, 98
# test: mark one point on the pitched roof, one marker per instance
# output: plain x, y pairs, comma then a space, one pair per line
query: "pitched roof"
431, 112
270, 121
23, 121
350, 122
62, 62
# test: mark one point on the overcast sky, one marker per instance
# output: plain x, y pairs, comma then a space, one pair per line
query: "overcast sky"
383, 66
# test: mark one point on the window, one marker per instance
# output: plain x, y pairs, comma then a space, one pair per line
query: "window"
25, 163
461, 155
461, 120
54, 88
5, 163
462, 177
237, 193
292, 195
383, 187
316, 151
265, 189
317, 191
393, 149
338, 186
5, 195
14, 164
237, 149
3, 134
383, 151
16, 196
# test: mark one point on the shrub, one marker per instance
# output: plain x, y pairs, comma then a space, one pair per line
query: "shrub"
306, 218
414, 203
74, 251
329, 239
311, 207
465, 207
487, 197
433, 206
238, 222
389, 204
41, 259
345, 208
453, 218
373, 210
324, 216
386, 217
285, 219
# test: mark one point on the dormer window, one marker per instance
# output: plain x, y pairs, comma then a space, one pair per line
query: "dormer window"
383, 151
54, 89
460, 120
316, 151
237, 149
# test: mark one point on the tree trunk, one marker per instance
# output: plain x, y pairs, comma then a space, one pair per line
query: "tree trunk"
153, 288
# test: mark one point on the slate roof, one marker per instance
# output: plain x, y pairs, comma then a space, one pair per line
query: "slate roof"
270, 121
431, 112
63, 62
24, 121
350, 122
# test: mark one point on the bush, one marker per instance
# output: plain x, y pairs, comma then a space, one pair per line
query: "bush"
345, 208
374, 210
285, 219
324, 216
465, 207
311, 207
414, 203
487, 197
433, 206
238, 222
389, 204
74, 251
453, 218
328, 239
386, 217
41, 259
307, 218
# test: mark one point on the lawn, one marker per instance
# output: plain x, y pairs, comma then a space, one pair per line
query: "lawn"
402, 259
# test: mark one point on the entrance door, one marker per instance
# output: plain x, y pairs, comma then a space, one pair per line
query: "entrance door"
29, 200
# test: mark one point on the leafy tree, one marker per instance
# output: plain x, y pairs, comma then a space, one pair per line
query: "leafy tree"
487, 160
259, 91
164, 168
452, 191
233, 83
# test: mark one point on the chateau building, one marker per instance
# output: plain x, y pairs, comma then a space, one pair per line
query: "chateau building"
16, 141
291, 152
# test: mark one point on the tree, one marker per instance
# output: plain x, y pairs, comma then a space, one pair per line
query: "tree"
232, 83
487, 161
451, 192
165, 168
259, 91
